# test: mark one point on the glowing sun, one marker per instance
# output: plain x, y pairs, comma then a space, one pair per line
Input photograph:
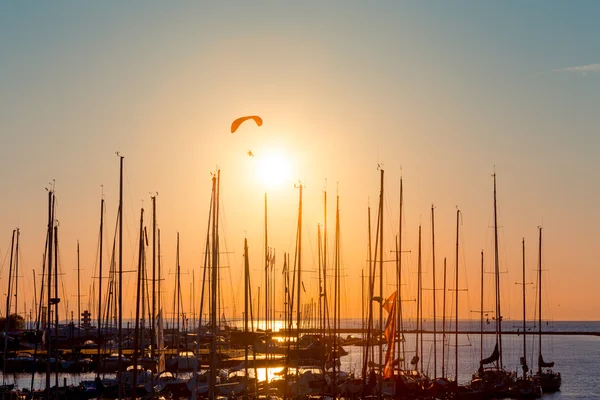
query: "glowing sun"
273, 169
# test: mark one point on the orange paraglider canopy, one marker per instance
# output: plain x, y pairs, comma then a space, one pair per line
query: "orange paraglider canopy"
236, 124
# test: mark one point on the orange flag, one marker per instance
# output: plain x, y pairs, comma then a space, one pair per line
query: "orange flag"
390, 334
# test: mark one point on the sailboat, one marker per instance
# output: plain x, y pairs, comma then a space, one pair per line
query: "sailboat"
495, 380
526, 386
549, 379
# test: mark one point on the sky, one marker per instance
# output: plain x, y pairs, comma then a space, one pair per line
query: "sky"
440, 94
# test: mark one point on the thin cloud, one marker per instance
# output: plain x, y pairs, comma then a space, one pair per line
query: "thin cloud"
580, 68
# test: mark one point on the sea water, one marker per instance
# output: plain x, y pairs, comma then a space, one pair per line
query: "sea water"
576, 357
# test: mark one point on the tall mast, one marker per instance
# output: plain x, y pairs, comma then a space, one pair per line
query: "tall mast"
139, 294
213, 352
100, 277
35, 303
49, 294
419, 333
444, 325
153, 316
158, 291
217, 271
177, 291
540, 300
120, 291
57, 299
321, 325
336, 302
434, 307
16, 275
381, 279
267, 262
397, 306
400, 328
497, 270
193, 307
246, 300
456, 305
481, 310
266, 272
370, 302
8, 298
362, 305
56, 283
325, 308
207, 253
524, 361
78, 292
299, 281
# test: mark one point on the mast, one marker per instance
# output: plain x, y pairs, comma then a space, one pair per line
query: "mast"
362, 305
213, 352
158, 276
120, 290
100, 279
193, 307
325, 308
400, 328
381, 281
434, 307
481, 309
56, 299
49, 294
177, 291
246, 300
419, 311
299, 283
287, 313
267, 260
321, 325
8, 298
140, 278
56, 284
78, 292
370, 302
336, 302
497, 270
540, 301
524, 360
153, 316
456, 305
444, 325
16, 275
205, 268
266, 271
35, 303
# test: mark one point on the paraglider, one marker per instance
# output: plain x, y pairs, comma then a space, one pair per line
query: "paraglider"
236, 124
250, 153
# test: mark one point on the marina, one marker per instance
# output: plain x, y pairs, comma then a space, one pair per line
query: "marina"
299, 200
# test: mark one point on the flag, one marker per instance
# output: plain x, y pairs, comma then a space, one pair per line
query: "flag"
390, 302
390, 335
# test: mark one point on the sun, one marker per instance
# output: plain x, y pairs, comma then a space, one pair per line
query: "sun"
273, 169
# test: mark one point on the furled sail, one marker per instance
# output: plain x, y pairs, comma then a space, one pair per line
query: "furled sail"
543, 364
493, 358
